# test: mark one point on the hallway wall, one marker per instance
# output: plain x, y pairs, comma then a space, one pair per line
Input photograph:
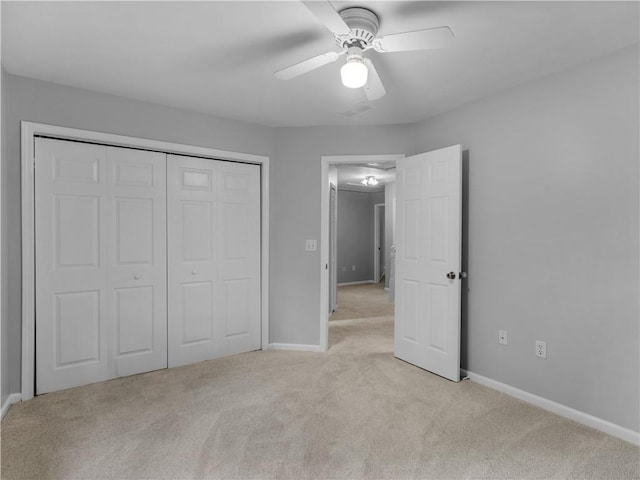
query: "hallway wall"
356, 235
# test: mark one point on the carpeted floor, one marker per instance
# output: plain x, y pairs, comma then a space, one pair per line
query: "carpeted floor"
362, 301
353, 412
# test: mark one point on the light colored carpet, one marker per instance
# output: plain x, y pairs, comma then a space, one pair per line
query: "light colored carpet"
353, 412
362, 301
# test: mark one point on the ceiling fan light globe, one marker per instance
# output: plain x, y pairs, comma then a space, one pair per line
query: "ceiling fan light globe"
354, 74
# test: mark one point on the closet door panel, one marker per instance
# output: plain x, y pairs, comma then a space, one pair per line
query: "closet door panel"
100, 263
137, 259
72, 308
193, 260
214, 258
239, 258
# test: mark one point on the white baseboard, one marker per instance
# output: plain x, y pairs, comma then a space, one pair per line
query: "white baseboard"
295, 346
11, 399
360, 282
559, 409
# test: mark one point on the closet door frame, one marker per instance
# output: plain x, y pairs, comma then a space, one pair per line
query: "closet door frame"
29, 131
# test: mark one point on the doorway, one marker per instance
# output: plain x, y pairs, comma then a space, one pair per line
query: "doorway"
428, 258
328, 177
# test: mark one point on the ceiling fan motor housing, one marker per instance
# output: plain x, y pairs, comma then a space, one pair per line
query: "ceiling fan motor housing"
364, 26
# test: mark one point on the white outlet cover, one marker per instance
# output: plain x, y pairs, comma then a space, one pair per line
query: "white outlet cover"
541, 349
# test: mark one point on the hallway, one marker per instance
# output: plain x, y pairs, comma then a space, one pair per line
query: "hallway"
362, 301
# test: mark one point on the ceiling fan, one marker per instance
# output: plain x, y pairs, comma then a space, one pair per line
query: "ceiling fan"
355, 30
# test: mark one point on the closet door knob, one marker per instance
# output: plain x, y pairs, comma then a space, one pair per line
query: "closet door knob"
193, 272
136, 277
451, 276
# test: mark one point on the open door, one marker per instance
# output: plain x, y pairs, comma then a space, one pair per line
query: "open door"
333, 249
428, 256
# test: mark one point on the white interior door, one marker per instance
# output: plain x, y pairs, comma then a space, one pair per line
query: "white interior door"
137, 259
239, 258
100, 263
428, 256
378, 242
72, 306
113, 297
382, 268
192, 190
214, 258
333, 248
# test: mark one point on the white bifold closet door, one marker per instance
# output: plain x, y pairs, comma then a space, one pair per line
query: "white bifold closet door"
213, 258
100, 263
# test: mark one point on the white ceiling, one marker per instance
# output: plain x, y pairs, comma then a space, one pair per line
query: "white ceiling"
218, 57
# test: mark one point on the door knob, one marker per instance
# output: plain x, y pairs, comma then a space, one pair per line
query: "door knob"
136, 277
193, 272
451, 276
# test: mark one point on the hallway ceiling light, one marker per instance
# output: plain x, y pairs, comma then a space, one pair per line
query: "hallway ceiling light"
370, 181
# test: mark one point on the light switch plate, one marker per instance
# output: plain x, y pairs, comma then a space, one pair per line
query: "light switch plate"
311, 245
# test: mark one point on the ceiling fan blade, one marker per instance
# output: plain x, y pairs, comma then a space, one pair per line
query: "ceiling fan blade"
427, 39
374, 89
328, 16
307, 65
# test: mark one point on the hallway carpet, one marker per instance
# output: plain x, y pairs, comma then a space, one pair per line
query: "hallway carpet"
362, 301
353, 412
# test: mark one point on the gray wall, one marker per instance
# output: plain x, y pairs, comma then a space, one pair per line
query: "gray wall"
43, 102
356, 234
295, 216
553, 234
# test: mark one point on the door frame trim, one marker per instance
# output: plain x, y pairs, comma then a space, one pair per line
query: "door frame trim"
325, 161
29, 130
